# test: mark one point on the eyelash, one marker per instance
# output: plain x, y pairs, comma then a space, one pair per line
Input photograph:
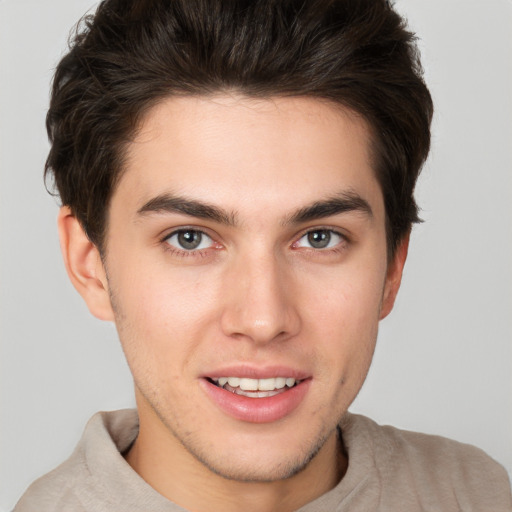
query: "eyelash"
326, 250
183, 253
344, 240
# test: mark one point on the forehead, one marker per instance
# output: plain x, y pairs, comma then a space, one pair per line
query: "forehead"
248, 153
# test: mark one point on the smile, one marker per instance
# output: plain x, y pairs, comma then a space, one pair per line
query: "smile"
255, 388
256, 395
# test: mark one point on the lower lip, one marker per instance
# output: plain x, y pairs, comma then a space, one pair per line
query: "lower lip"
257, 410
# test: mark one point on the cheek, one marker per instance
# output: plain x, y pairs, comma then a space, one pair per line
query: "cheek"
160, 316
165, 298
347, 302
344, 320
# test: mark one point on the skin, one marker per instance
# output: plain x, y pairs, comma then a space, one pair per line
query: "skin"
255, 294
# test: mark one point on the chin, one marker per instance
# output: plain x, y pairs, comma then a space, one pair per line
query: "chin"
261, 470
265, 462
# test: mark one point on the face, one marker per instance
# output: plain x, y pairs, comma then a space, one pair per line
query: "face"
246, 265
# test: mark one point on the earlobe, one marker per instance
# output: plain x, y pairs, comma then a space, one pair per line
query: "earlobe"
394, 277
84, 266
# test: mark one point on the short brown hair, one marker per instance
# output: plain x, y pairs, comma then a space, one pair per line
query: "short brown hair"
130, 55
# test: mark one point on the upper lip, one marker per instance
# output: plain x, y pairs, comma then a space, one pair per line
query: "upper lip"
256, 372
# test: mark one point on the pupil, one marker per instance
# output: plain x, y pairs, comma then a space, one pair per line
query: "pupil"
189, 239
319, 239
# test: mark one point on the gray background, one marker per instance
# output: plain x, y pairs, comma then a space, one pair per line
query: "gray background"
444, 359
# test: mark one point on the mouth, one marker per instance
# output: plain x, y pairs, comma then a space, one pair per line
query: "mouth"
255, 388
257, 395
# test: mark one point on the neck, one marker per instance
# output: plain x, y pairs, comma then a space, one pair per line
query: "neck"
177, 475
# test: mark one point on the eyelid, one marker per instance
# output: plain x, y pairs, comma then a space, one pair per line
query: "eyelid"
216, 244
187, 227
334, 230
205, 239
182, 252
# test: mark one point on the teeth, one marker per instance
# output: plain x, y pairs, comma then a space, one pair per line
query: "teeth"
246, 384
249, 384
234, 382
270, 384
281, 383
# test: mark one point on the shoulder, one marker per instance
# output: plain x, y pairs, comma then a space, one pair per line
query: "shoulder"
71, 486
55, 491
438, 451
433, 468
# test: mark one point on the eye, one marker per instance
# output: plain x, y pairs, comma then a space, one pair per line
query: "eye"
189, 240
319, 239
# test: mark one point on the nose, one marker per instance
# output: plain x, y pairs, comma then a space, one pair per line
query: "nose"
260, 301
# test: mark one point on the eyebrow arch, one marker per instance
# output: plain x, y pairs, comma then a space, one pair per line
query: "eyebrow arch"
168, 203
347, 201
343, 202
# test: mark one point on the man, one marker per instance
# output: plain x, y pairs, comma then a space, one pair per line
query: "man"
237, 185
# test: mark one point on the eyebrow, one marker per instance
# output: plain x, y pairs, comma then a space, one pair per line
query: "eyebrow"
344, 202
168, 203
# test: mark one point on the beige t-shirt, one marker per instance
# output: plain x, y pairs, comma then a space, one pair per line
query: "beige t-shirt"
389, 470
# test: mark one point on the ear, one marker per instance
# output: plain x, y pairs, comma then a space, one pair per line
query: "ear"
84, 266
394, 277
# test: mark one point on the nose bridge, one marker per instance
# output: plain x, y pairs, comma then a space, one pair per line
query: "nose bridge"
260, 305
